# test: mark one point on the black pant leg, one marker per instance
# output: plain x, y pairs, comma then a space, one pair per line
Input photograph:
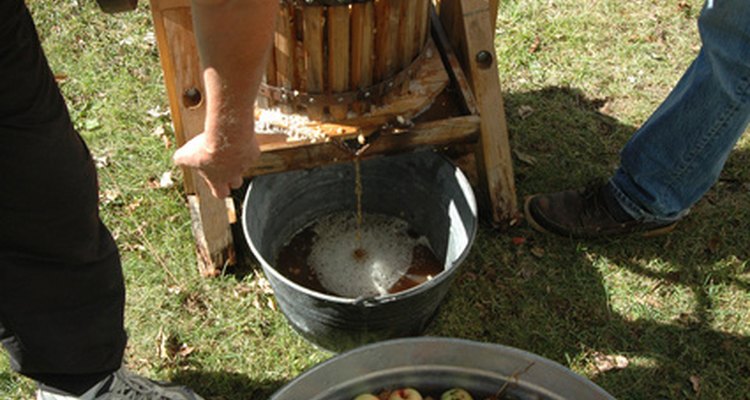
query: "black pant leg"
61, 285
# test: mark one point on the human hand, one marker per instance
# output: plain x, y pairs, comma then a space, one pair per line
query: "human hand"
221, 163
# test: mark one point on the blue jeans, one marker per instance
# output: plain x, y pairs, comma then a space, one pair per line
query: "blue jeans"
678, 154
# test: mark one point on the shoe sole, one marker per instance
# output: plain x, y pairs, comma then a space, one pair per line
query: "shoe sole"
538, 227
530, 219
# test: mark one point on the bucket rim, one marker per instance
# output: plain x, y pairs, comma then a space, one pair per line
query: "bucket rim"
445, 342
369, 301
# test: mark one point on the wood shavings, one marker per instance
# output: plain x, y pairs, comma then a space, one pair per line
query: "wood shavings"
295, 127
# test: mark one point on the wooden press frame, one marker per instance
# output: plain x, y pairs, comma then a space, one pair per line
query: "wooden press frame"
478, 136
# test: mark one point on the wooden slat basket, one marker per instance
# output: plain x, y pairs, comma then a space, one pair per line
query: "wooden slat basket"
336, 59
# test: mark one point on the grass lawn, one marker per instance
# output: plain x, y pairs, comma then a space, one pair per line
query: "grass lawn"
662, 318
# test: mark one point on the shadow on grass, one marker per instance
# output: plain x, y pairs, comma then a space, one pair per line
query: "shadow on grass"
653, 301
222, 385
650, 300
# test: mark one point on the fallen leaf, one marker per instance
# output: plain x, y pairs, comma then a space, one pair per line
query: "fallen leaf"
537, 251
157, 112
60, 77
108, 196
159, 131
166, 181
174, 289
695, 381
134, 205
152, 183
262, 284
535, 46
184, 350
518, 240
150, 38
163, 182
161, 348
91, 124
126, 41
525, 158
101, 161
606, 363
525, 111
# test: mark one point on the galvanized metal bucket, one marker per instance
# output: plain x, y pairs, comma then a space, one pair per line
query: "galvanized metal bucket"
433, 365
424, 189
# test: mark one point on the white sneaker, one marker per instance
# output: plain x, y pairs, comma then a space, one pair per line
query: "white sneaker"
124, 385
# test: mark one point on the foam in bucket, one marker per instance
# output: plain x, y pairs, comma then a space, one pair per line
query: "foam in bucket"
385, 257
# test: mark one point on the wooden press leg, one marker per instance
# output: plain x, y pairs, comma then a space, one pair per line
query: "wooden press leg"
471, 32
182, 74
211, 227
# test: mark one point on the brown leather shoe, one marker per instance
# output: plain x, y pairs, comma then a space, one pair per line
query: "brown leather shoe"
586, 213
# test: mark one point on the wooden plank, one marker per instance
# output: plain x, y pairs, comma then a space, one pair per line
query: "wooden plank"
428, 82
169, 70
182, 71
300, 71
363, 42
474, 34
284, 50
423, 22
453, 66
269, 77
387, 15
452, 22
161, 5
434, 133
314, 21
407, 33
338, 55
494, 8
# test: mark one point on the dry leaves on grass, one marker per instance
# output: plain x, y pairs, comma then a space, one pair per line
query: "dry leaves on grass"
537, 251
171, 347
525, 158
695, 382
165, 181
525, 111
604, 362
109, 196
161, 133
535, 45
157, 112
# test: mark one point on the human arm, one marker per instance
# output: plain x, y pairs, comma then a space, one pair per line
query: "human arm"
233, 37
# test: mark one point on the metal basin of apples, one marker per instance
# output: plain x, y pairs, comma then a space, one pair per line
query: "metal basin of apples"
434, 365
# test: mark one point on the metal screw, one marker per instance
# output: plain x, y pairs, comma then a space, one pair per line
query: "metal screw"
484, 59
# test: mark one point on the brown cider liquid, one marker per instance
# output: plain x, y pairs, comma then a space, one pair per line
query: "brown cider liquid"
292, 262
